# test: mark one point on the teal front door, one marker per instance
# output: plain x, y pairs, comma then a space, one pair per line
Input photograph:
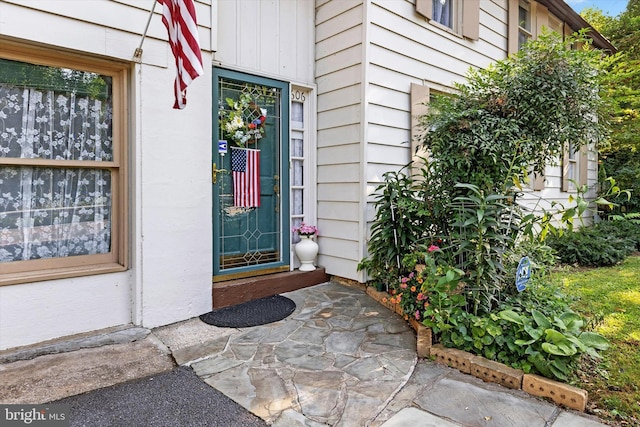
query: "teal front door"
250, 175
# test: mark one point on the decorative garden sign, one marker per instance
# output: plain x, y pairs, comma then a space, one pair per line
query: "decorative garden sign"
523, 274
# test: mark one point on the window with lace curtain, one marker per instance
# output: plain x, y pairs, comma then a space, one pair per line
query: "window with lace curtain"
61, 175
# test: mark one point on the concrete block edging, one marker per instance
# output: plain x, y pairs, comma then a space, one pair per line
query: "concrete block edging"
485, 369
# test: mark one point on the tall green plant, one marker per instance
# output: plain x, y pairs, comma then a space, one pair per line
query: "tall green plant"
399, 224
485, 228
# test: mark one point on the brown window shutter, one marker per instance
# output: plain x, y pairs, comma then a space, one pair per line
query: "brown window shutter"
471, 19
538, 182
583, 165
565, 170
419, 107
512, 26
425, 8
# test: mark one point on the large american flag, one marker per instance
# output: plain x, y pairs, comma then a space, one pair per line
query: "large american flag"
245, 171
179, 16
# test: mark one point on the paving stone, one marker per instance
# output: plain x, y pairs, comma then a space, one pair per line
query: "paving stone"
242, 351
189, 333
383, 343
359, 409
185, 355
214, 365
291, 418
469, 401
310, 335
344, 342
416, 418
566, 419
322, 395
272, 395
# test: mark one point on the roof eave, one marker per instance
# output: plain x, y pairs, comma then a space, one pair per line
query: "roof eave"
563, 11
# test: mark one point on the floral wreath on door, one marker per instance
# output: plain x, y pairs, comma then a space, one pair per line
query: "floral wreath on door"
243, 121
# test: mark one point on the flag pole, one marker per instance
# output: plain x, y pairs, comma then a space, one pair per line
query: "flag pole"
137, 54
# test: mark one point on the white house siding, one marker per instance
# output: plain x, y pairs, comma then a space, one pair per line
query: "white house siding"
169, 178
339, 73
364, 75
538, 201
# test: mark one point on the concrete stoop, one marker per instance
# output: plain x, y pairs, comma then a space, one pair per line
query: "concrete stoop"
487, 370
74, 366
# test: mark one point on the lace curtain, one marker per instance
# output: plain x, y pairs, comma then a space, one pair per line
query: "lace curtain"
48, 211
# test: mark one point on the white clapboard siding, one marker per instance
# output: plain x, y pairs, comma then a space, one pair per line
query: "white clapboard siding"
339, 60
374, 66
552, 191
342, 40
340, 79
339, 53
339, 116
338, 154
339, 135
336, 192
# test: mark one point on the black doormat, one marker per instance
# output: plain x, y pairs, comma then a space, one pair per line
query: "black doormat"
251, 313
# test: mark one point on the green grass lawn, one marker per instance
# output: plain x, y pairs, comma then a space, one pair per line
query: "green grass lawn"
610, 297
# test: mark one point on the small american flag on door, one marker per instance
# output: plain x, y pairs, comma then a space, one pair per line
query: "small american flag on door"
245, 171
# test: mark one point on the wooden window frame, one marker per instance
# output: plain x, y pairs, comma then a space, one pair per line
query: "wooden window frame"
466, 17
580, 163
17, 272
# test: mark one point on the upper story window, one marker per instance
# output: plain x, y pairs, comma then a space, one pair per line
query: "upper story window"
443, 12
61, 167
524, 23
461, 17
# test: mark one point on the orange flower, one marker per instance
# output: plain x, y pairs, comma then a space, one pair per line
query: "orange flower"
384, 299
413, 289
420, 280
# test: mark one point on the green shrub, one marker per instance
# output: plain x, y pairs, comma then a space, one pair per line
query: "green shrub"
535, 332
604, 244
398, 227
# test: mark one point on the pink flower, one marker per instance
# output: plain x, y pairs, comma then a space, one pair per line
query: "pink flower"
404, 280
417, 315
420, 296
403, 285
433, 248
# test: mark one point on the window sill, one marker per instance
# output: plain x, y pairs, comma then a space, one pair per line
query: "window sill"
446, 29
59, 273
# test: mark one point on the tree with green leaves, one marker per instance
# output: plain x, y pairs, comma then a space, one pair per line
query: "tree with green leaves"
621, 158
516, 115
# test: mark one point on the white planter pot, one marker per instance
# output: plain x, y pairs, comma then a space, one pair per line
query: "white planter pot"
306, 250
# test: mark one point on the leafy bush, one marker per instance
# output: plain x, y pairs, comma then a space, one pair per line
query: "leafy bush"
462, 222
536, 332
603, 244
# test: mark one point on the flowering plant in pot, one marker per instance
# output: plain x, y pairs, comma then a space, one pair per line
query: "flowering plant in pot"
306, 249
306, 230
